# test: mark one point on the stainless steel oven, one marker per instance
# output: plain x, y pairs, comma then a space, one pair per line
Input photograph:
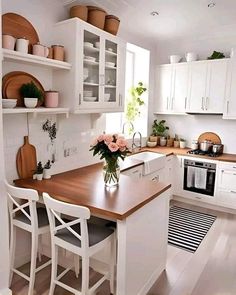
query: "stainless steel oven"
199, 177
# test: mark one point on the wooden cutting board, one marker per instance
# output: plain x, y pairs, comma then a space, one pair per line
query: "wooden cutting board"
213, 137
26, 160
12, 82
18, 26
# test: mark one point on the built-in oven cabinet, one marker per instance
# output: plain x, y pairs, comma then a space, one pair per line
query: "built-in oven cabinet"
226, 185
135, 172
178, 187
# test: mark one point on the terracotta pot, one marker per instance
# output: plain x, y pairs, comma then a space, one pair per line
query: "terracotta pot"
176, 143
79, 11
111, 24
96, 16
58, 52
170, 142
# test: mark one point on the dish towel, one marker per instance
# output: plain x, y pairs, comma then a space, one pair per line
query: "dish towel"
190, 176
200, 178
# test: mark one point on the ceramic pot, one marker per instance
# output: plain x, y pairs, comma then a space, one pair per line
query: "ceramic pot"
58, 52
46, 173
40, 50
51, 99
39, 176
182, 144
22, 45
8, 42
162, 141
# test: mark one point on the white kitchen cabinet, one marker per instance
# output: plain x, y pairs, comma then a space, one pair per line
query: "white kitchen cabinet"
226, 185
135, 172
171, 88
207, 86
230, 101
156, 176
96, 82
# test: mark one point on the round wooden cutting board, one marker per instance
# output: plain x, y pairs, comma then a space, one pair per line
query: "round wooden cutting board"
213, 137
12, 82
18, 26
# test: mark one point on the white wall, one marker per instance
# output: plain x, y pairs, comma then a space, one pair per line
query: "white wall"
191, 126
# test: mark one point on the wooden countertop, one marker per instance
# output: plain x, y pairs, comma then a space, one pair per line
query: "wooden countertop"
85, 186
168, 151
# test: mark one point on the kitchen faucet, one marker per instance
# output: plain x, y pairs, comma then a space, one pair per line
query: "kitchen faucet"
125, 123
134, 145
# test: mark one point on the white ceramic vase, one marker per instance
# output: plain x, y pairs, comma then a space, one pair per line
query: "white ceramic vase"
46, 173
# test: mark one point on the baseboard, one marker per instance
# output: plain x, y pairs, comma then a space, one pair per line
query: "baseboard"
5, 292
204, 204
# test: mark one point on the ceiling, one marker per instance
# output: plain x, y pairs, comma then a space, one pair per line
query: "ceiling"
177, 18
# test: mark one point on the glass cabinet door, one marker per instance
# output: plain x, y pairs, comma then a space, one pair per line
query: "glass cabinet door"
91, 69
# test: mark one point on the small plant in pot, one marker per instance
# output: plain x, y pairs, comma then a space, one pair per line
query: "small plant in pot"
159, 130
31, 94
39, 171
47, 170
182, 143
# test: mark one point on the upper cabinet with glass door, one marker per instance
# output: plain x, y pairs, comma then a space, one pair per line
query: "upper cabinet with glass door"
96, 82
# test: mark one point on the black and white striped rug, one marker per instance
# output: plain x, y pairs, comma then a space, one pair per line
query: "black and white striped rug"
187, 228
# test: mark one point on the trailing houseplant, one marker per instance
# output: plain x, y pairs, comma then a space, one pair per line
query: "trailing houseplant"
135, 101
31, 94
51, 129
110, 148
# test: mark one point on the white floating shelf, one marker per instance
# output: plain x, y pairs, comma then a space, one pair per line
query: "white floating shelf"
35, 111
11, 55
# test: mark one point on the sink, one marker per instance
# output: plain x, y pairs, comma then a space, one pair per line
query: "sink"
152, 161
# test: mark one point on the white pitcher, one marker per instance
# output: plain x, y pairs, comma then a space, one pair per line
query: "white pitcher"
22, 45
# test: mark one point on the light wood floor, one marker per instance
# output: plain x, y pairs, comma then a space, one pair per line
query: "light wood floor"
211, 270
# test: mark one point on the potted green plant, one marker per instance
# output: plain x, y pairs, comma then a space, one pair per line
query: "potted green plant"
182, 143
47, 170
31, 94
159, 130
39, 171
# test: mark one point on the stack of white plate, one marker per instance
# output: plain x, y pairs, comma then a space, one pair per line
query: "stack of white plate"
88, 93
90, 98
88, 44
90, 58
110, 64
8, 103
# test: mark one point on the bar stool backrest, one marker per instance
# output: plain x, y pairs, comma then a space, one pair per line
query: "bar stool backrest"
21, 200
55, 208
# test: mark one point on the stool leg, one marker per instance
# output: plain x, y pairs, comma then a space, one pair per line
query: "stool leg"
85, 275
54, 268
76, 263
34, 250
112, 264
12, 252
40, 248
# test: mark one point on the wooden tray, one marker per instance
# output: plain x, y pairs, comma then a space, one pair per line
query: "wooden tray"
12, 82
209, 136
18, 26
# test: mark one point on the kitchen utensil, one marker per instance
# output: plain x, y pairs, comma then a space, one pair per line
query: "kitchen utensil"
12, 82
58, 52
26, 161
80, 11
40, 50
206, 145
213, 137
18, 26
217, 148
96, 16
111, 24
191, 56
9, 103
30, 102
8, 41
175, 59
51, 99
22, 45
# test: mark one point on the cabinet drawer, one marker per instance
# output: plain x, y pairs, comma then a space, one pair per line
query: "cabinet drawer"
135, 172
227, 180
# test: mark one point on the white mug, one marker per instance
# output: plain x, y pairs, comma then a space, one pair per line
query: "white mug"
191, 56
22, 45
40, 50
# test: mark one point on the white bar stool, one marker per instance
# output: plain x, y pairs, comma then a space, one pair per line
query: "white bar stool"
81, 238
25, 215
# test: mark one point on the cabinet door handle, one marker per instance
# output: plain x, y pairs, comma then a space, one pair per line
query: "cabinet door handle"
185, 103
167, 102
206, 103
172, 103
227, 107
120, 100
203, 103
80, 99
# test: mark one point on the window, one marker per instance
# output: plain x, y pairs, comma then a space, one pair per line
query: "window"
137, 69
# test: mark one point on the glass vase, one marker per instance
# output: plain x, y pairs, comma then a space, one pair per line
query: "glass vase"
111, 173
